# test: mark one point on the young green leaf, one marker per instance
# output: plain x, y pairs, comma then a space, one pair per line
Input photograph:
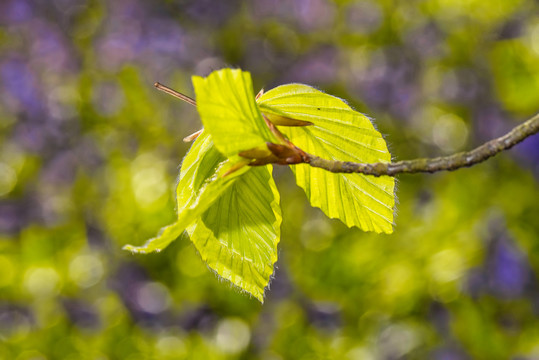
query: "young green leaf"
338, 133
227, 108
233, 220
238, 235
201, 183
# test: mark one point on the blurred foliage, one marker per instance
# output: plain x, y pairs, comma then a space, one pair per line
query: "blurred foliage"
89, 154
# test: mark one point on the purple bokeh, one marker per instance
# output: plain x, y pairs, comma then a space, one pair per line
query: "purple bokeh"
20, 83
508, 270
15, 12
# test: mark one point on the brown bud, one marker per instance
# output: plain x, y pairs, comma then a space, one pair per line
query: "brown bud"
193, 136
281, 151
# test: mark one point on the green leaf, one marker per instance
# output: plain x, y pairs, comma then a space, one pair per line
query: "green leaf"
238, 235
201, 183
338, 133
227, 108
233, 221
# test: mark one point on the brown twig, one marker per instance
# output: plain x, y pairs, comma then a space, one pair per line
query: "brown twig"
175, 93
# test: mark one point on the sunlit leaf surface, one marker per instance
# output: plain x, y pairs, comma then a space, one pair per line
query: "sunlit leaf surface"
233, 221
338, 133
227, 108
238, 235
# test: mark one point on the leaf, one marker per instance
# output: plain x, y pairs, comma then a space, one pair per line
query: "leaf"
238, 235
338, 133
233, 221
227, 108
201, 183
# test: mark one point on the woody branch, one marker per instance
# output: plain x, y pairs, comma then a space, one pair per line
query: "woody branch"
431, 165
427, 165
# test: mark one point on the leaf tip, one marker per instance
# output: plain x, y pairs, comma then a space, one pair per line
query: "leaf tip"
387, 229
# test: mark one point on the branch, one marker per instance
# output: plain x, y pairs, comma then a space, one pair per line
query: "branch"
432, 165
449, 163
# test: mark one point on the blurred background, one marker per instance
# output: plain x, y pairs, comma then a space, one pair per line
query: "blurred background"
89, 155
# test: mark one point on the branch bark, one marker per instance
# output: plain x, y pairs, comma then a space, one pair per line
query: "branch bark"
431, 165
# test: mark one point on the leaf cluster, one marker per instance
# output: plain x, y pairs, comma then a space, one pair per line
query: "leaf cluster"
227, 200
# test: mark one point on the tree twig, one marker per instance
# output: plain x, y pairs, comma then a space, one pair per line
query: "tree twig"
428, 165
449, 163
